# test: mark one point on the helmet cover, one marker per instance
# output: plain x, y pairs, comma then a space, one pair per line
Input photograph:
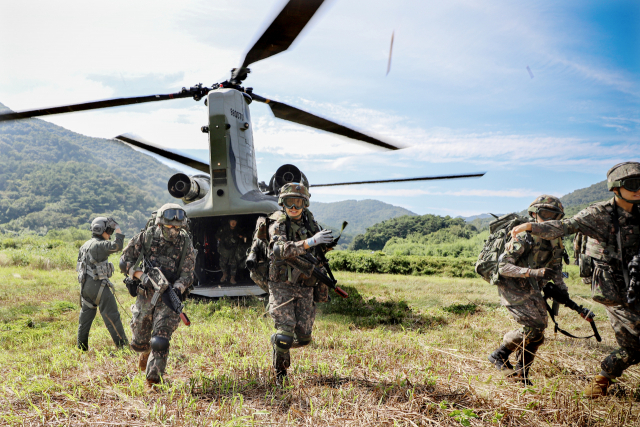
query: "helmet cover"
619, 172
546, 202
294, 190
175, 221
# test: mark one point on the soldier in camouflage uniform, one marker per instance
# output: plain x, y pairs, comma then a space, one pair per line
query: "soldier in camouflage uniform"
293, 232
228, 247
525, 267
613, 228
167, 246
94, 270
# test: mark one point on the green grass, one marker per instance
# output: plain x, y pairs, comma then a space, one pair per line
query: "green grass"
402, 350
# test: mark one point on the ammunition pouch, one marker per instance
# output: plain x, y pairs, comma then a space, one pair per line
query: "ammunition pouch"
585, 265
607, 288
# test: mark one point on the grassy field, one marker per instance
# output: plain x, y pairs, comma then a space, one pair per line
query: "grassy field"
422, 365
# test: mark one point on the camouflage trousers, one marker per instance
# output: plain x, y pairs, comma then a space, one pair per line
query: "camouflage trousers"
296, 316
529, 310
148, 321
228, 260
626, 325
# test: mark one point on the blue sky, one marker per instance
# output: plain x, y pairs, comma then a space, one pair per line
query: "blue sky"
458, 95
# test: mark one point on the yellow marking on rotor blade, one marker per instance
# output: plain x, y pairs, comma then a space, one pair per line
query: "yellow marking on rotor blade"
266, 101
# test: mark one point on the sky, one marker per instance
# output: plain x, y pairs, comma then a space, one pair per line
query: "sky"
458, 96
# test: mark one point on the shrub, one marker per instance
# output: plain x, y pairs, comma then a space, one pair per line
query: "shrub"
378, 262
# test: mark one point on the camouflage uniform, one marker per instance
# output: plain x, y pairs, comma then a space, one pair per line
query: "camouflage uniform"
608, 284
228, 249
99, 250
291, 296
521, 295
160, 320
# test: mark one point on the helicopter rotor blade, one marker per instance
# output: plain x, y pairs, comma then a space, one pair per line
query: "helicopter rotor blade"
179, 158
284, 29
197, 92
384, 181
287, 112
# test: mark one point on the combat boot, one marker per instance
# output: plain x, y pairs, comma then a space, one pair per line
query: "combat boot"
142, 361
232, 280
500, 359
597, 388
223, 279
281, 361
524, 364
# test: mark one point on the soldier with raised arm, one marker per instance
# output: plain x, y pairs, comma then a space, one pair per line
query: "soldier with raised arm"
613, 228
96, 291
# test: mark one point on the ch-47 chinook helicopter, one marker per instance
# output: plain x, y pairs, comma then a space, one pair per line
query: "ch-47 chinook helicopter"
228, 186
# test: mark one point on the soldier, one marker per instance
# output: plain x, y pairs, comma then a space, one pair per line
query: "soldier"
526, 265
293, 232
167, 246
228, 243
96, 290
612, 227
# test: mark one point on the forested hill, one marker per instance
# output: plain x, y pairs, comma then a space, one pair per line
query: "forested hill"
51, 177
359, 213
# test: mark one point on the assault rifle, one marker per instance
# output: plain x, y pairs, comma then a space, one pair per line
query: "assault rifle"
164, 289
552, 291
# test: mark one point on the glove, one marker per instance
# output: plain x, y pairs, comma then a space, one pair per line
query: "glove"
323, 237
111, 223
542, 273
635, 263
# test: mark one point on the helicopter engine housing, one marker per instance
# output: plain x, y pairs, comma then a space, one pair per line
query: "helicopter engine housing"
188, 188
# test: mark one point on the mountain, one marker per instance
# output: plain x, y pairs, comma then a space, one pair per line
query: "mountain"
595, 193
51, 177
360, 214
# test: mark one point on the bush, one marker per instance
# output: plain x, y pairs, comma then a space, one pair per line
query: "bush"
378, 262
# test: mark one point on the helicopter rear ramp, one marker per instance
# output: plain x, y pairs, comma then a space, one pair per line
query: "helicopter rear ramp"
219, 291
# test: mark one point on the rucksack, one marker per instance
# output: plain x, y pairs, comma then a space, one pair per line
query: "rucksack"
489, 257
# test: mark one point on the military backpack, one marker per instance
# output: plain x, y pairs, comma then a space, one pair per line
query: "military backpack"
489, 257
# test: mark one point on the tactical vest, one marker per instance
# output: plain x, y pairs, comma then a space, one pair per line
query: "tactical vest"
98, 271
169, 258
543, 252
608, 251
290, 231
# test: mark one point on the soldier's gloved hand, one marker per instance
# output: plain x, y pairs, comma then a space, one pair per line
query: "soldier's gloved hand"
178, 287
635, 263
323, 237
542, 273
146, 281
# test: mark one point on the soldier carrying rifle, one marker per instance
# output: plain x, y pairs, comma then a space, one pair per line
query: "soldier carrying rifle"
613, 229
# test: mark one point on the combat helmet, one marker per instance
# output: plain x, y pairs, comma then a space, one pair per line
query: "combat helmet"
295, 190
171, 214
548, 207
99, 226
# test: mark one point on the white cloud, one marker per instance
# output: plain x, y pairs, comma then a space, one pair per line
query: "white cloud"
359, 191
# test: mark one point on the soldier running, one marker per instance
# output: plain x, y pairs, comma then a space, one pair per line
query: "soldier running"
94, 271
291, 297
167, 246
613, 228
526, 265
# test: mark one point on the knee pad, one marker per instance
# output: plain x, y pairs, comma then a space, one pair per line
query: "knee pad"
304, 340
282, 340
159, 343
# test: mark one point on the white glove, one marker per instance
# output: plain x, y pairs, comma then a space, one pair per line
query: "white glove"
323, 237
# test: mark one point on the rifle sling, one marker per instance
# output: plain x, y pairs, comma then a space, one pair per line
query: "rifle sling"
557, 327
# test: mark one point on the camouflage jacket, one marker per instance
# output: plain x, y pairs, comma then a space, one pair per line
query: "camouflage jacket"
286, 239
164, 255
597, 223
228, 237
525, 252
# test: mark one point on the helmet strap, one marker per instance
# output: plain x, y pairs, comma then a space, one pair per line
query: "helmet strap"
619, 196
